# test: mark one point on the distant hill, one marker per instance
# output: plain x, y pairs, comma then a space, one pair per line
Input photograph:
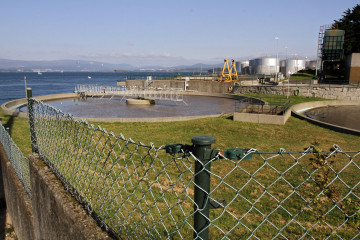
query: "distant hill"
61, 65
67, 65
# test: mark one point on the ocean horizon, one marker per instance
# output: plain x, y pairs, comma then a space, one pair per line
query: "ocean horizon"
12, 84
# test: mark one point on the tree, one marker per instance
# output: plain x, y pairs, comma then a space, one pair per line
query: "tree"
350, 22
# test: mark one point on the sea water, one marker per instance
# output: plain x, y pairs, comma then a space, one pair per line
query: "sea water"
12, 85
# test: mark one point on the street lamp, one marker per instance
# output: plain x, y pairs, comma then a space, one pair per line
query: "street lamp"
276, 69
288, 91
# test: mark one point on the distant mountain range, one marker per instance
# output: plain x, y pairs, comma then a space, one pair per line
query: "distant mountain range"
7, 65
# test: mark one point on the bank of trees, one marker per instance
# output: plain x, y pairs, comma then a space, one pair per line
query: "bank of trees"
350, 22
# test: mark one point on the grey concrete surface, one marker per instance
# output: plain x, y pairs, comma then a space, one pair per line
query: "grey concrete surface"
263, 118
18, 203
57, 215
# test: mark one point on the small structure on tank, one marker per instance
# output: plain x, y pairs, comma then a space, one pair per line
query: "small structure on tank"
140, 101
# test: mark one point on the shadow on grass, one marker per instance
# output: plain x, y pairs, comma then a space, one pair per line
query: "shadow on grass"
10, 122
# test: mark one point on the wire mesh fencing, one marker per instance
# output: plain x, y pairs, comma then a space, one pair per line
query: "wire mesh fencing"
19, 163
132, 189
196, 191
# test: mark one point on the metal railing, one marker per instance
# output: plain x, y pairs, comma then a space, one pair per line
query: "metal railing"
88, 88
19, 163
266, 105
166, 94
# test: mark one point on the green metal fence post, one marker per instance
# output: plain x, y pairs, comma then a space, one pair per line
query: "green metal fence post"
202, 151
31, 120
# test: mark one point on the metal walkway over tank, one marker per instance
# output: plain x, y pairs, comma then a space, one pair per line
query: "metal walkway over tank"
167, 94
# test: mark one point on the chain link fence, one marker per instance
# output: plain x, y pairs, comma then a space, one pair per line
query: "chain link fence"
19, 163
196, 191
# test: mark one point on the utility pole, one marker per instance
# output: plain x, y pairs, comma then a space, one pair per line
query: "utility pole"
276, 64
25, 87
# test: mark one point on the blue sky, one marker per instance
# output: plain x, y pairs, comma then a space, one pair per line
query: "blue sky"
167, 33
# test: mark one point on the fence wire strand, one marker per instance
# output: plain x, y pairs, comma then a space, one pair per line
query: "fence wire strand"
19, 163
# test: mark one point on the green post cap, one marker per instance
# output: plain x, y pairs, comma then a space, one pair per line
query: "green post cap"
29, 92
203, 140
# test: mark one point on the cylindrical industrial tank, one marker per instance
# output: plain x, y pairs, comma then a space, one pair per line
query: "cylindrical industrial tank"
244, 67
266, 65
252, 66
292, 66
283, 66
312, 64
238, 66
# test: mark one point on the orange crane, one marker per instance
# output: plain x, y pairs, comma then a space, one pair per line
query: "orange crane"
229, 74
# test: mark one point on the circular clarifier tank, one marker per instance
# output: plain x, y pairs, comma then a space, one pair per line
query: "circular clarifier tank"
114, 109
338, 115
347, 116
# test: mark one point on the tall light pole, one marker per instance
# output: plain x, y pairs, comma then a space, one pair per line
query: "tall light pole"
276, 69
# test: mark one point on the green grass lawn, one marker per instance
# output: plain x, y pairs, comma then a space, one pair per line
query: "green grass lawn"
302, 76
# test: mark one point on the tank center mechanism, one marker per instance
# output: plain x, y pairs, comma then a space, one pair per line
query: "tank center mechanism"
140, 101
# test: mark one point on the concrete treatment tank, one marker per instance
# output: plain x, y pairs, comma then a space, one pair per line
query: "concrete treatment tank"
266, 65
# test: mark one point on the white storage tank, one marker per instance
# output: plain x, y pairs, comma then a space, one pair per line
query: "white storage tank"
312, 64
266, 65
244, 67
283, 66
291, 66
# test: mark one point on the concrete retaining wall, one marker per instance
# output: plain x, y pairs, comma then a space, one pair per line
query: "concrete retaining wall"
52, 213
193, 85
10, 107
18, 203
343, 92
57, 215
322, 91
262, 118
